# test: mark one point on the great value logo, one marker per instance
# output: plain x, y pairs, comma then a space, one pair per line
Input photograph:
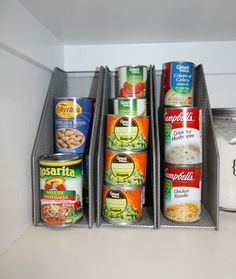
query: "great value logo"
68, 109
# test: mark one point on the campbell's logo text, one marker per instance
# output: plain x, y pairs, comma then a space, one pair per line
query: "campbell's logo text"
182, 176
181, 117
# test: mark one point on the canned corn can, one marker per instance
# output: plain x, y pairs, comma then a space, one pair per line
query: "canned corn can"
73, 120
183, 135
127, 132
125, 168
132, 81
130, 106
122, 205
61, 189
182, 192
178, 83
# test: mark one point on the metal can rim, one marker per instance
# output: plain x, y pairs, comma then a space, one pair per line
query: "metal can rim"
127, 151
125, 115
181, 61
73, 97
122, 223
133, 66
124, 187
181, 107
129, 98
68, 157
183, 165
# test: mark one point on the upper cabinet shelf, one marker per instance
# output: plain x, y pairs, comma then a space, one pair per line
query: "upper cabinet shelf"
79, 22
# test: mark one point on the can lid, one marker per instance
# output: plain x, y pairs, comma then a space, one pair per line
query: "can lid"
59, 157
126, 151
145, 66
123, 187
179, 62
129, 98
126, 115
230, 112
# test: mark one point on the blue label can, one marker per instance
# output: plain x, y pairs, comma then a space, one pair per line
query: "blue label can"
73, 121
178, 83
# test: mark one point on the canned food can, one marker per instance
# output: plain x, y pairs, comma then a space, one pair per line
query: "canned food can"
61, 189
130, 106
125, 168
73, 120
122, 205
182, 192
178, 83
132, 81
183, 135
127, 132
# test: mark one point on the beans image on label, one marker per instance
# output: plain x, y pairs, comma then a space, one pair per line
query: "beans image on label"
127, 132
130, 106
122, 205
73, 121
178, 83
61, 189
125, 168
183, 135
182, 193
132, 81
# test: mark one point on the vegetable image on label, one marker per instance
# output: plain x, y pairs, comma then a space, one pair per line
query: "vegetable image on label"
130, 133
132, 81
122, 206
125, 168
178, 83
183, 135
182, 193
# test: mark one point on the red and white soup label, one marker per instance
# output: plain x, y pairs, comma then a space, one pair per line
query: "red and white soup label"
183, 135
182, 193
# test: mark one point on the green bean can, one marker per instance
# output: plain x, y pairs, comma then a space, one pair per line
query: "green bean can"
122, 205
127, 132
125, 168
130, 106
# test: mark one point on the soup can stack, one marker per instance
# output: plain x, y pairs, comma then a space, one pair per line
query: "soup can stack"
183, 144
126, 149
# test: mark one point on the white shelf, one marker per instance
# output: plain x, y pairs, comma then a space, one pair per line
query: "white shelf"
43, 252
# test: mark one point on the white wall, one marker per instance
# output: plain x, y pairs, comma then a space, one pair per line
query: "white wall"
23, 87
218, 59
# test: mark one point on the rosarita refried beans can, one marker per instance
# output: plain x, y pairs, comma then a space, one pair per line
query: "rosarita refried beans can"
183, 135
61, 189
182, 192
178, 84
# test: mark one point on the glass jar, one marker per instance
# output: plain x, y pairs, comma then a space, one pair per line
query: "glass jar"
225, 128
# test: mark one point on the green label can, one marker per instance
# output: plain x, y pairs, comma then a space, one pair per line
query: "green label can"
61, 189
132, 81
130, 106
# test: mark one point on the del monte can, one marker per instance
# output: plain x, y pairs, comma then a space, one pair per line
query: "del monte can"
61, 189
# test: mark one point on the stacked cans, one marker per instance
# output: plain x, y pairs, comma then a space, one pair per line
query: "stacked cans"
126, 149
183, 144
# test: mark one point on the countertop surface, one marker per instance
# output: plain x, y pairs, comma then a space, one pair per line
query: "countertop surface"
43, 252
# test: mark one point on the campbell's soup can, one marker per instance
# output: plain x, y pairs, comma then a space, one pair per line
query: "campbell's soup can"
132, 81
178, 83
127, 132
72, 123
122, 205
61, 186
183, 135
130, 106
125, 167
182, 192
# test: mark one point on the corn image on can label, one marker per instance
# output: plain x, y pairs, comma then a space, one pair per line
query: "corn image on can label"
122, 205
61, 189
125, 167
127, 132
